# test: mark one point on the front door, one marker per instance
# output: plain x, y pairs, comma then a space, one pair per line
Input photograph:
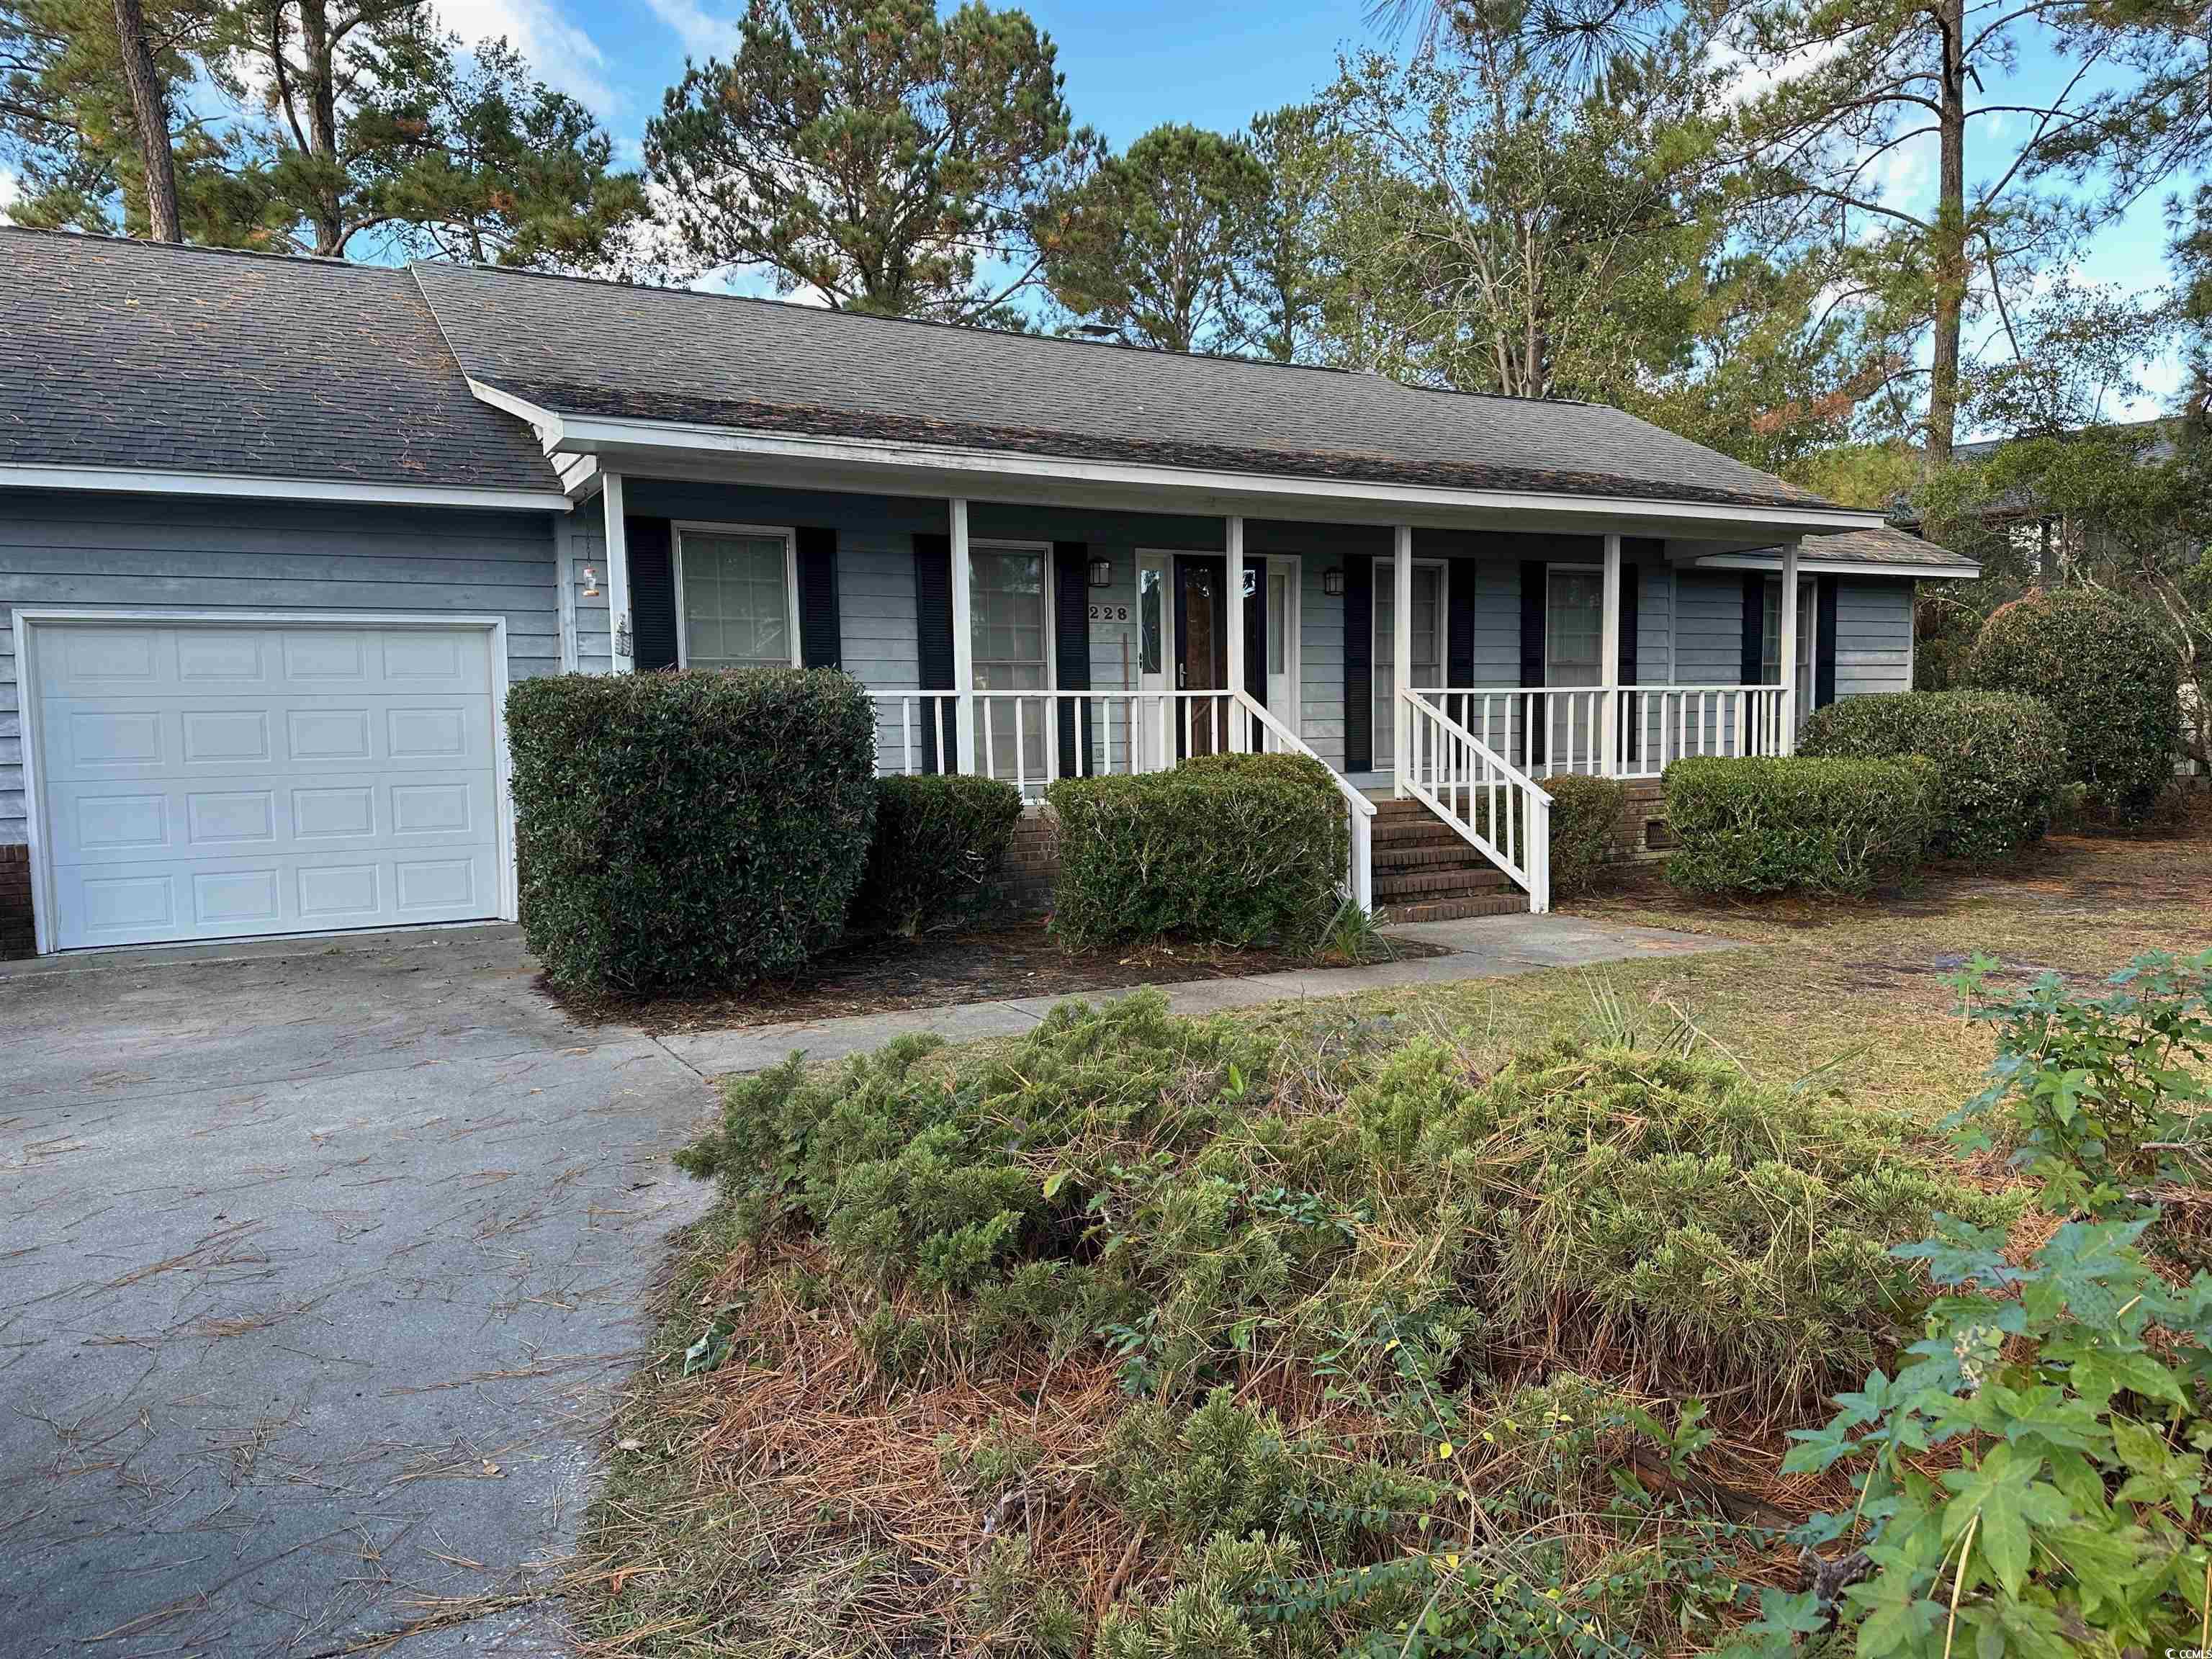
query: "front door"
1201, 639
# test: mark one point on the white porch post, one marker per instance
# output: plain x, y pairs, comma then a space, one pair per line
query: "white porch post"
623, 638
1788, 736
1609, 659
963, 640
1401, 650
1234, 543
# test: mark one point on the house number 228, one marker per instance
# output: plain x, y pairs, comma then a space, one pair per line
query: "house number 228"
1109, 613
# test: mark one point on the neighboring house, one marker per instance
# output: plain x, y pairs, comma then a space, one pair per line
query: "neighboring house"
275, 534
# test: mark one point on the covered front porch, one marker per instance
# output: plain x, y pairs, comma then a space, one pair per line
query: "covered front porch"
1456, 665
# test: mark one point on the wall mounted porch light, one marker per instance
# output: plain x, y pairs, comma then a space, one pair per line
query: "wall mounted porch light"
1102, 573
1332, 583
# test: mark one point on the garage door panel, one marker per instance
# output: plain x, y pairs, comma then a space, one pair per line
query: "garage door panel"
206, 781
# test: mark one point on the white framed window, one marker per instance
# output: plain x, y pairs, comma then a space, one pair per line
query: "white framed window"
1769, 636
1574, 625
737, 596
1010, 636
1431, 603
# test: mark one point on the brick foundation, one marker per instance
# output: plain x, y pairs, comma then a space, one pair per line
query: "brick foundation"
1032, 862
1642, 829
16, 936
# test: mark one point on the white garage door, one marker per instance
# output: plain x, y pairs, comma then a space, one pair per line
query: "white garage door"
207, 781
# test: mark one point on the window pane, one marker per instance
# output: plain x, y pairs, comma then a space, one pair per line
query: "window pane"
1574, 626
737, 603
1006, 630
1149, 587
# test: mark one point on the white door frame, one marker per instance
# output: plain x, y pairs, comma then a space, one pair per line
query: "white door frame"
29, 619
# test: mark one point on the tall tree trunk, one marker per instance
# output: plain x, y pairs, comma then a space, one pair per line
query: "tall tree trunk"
1950, 236
321, 51
150, 108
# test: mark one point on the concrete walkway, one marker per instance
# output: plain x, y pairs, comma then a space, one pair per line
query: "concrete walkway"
1482, 947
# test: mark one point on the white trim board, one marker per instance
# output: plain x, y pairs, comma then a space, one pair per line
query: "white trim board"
28, 617
1964, 570
579, 435
262, 487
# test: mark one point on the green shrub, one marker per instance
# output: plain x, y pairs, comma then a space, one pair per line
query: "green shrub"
1791, 824
1585, 823
2000, 760
2109, 676
1241, 850
938, 854
2032, 1478
684, 829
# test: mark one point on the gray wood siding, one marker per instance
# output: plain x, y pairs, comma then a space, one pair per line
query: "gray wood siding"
170, 554
588, 545
1874, 635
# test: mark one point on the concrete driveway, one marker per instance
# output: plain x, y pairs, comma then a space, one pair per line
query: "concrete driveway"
320, 1269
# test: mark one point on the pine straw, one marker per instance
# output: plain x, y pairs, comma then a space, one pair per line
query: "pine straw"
798, 1434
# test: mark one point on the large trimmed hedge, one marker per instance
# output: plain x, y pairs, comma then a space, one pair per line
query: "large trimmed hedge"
1585, 829
2108, 675
2000, 759
1791, 824
939, 851
1239, 850
683, 829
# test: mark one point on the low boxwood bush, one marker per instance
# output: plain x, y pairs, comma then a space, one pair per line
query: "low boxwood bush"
1242, 850
938, 852
1585, 823
684, 830
1794, 824
2108, 675
2000, 759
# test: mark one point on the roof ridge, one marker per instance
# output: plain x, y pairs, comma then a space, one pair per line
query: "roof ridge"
718, 296
277, 256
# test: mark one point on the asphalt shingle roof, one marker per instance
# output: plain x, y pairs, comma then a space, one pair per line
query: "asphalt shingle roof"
587, 349
1884, 545
142, 355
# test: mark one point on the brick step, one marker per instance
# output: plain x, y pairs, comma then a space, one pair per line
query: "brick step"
1422, 855
1405, 831
1510, 903
1439, 884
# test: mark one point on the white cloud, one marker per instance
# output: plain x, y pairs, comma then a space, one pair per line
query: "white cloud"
558, 52
702, 35
10, 189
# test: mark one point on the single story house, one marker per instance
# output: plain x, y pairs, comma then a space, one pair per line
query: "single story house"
276, 535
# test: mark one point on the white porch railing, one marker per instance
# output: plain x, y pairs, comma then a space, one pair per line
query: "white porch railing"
1018, 736
1643, 728
1496, 808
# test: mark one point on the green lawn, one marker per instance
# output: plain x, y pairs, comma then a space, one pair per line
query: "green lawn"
900, 1455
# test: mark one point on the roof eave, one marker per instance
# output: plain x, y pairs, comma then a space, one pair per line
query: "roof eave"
618, 440
137, 481
1769, 559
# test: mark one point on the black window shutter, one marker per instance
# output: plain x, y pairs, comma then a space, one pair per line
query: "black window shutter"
651, 593
932, 610
1754, 666
1460, 578
1535, 596
819, 646
1358, 664
1824, 645
1070, 584
1632, 584
1255, 631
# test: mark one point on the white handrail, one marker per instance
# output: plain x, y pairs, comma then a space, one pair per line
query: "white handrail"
1624, 731
1497, 809
1361, 872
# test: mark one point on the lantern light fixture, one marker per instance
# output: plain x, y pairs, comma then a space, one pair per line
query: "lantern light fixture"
1102, 573
1332, 583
